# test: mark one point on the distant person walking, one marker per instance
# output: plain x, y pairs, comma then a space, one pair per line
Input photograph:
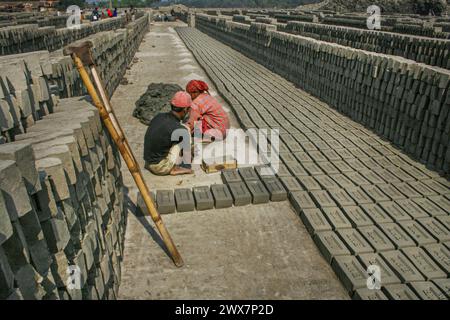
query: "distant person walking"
115, 12
95, 15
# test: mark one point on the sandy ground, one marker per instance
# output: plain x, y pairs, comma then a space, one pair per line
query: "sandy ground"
252, 252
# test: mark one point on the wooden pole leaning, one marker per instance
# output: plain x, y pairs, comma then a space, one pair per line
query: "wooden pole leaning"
81, 56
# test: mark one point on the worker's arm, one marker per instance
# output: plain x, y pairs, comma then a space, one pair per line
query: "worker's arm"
194, 116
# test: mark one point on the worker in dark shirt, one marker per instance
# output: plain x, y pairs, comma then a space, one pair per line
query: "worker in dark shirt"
167, 141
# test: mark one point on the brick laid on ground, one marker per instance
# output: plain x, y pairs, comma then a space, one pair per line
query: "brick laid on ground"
165, 201
222, 196
203, 198
184, 200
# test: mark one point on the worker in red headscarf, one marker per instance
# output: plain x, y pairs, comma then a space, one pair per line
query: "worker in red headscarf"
207, 112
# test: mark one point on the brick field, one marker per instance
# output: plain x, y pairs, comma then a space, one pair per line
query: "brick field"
362, 200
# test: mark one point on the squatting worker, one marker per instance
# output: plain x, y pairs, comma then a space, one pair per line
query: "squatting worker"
161, 154
207, 111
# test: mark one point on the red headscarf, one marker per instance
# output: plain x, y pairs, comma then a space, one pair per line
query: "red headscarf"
196, 86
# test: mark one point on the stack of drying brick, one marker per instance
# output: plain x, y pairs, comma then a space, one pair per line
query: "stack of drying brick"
24, 93
61, 206
29, 82
242, 19
26, 38
404, 101
421, 49
420, 30
285, 18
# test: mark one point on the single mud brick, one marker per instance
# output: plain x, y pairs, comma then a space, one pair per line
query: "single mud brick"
440, 254
332, 155
387, 275
350, 272
141, 207
14, 192
328, 167
314, 221
337, 218
342, 181
341, 197
444, 285
291, 184
407, 190
354, 241
422, 188
418, 233
425, 264
412, 209
401, 174
359, 196
399, 292
387, 176
229, 176
392, 192
397, 235
22, 154
376, 213
355, 164
203, 198
281, 171
222, 196
240, 193
437, 229
53, 168
276, 189
330, 245
430, 207
402, 267
184, 200
342, 166
367, 294
301, 200
372, 177
323, 199
165, 201
442, 202
296, 169
309, 183
357, 216
303, 157
56, 233
427, 290
62, 153
258, 191
394, 211
377, 238
375, 193
357, 179
248, 174
317, 156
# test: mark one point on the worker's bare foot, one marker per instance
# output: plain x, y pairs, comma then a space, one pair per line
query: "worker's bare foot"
178, 171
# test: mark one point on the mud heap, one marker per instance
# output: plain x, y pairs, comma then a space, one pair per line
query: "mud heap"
156, 99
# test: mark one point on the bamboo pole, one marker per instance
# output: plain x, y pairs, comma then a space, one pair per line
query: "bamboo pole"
117, 135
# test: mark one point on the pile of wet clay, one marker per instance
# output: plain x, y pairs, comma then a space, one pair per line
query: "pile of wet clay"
155, 100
